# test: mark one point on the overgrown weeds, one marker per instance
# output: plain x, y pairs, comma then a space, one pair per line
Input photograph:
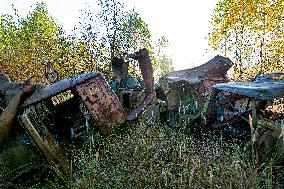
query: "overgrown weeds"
157, 156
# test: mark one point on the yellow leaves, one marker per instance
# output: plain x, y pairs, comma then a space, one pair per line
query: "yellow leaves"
250, 7
55, 66
25, 48
250, 31
279, 77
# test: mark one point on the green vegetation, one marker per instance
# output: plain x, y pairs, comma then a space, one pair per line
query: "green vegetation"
147, 155
163, 61
28, 44
158, 156
251, 33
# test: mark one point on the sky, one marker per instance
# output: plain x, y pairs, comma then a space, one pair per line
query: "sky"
185, 23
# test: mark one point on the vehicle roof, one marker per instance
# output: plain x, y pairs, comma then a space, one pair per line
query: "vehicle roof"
59, 87
265, 87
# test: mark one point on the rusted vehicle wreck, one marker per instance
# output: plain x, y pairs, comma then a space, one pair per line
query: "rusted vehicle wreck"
66, 110
258, 104
53, 115
186, 91
204, 97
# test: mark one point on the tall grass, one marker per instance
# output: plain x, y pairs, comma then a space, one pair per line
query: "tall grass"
158, 156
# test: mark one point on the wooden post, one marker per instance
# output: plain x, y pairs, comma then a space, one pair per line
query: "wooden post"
49, 152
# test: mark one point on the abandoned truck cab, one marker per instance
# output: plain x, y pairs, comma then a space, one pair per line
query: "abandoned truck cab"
65, 112
74, 102
203, 97
185, 91
256, 108
71, 107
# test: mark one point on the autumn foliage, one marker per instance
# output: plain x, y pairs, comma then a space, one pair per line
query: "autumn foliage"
251, 33
28, 44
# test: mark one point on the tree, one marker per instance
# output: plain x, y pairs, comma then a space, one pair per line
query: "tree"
115, 31
251, 32
134, 33
111, 17
28, 44
164, 62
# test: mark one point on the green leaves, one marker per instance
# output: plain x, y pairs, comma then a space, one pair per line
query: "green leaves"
250, 32
134, 33
163, 63
27, 44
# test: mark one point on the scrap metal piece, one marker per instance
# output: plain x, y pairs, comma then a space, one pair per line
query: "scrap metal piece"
102, 103
59, 87
50, 73
215, 69
261, 90
120, 70
146, 68
4, 78
250, 98
188, 88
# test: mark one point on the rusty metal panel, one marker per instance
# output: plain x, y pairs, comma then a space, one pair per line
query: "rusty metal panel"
59, 87
146, 68
102, 103
257, 90
216, 67
186, 88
